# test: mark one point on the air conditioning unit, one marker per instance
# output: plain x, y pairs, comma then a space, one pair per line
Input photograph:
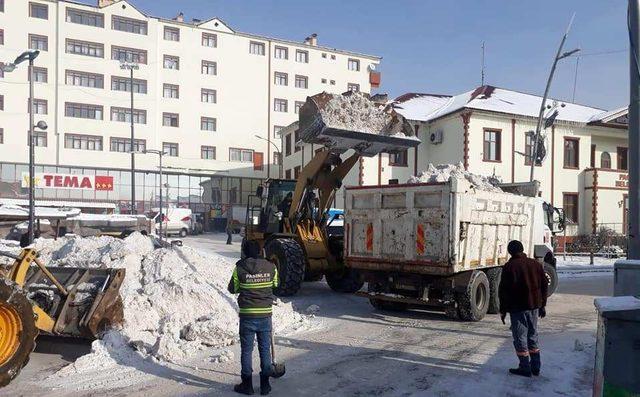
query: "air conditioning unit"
436, 137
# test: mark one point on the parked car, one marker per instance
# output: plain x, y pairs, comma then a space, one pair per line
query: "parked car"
176, 221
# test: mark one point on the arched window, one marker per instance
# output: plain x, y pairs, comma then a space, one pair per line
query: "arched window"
605, 160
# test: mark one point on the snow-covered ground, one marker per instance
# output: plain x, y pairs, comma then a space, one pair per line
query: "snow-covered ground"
580, 266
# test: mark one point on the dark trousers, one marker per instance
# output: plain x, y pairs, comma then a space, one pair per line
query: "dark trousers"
250, 328
524, 328
229, 237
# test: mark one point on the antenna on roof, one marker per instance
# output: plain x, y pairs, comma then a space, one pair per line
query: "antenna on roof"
482, 66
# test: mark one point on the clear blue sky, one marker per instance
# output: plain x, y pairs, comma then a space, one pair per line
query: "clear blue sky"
434, 46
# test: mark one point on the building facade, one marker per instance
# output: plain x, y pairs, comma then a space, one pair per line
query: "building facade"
488, 130
212, 98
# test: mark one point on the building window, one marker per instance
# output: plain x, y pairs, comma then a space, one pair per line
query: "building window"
571, 153
323, 81
85, 17
83, 79
207, 124
332, 82
353, 64
353, 87
296, 172
324, 55
2, 36
128, 25
570, 206
528, 147
302, 81
82, 142
277, 131
170, 120
40, 75
209, 67
171, 34
86, 48
132, 55
592, 159
242, 155
296, 139
124, 115
280, 78
1, 5
171, 62
170, 149
1, 102
279, 105
124, 84
37, 10
1, 135
277, 158
492, 145
623, 157
399, 159
287, 174
83, 111
287, 145
208, 96
40, 106
298, 105
208, 152
37, 42
605, 160
256, 48
171, 91
302, 56
123, 145
209, 40
281, 52
39, 138
333, 57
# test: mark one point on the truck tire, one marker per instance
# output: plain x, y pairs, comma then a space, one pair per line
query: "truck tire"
183, 232
345, 280
380, 304
474, 302
552, 278
494, 274
288, 257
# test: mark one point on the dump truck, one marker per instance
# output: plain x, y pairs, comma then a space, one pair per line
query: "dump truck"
60, 301
442, 245
288, 218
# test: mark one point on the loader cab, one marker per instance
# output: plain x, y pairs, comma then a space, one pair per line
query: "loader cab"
269, 206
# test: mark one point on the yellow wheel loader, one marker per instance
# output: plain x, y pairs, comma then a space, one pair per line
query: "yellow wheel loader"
288, 218
63, 301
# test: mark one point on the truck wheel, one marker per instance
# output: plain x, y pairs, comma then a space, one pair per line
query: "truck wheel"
183, 233
474, 302
288, 257
380, 304
346, 280
494, 274
552, 278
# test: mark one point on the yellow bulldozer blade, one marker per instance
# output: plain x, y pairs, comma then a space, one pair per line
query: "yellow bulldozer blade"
18, 330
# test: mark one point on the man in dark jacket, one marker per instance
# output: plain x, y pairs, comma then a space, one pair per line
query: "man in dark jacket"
523, 294
254, 279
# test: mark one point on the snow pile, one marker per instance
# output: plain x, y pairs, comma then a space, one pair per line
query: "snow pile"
355, 112
176, 301
444, 173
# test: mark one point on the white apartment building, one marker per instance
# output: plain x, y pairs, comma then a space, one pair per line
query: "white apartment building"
488, 130
213, 98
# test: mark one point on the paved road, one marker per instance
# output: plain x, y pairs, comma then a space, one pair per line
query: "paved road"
354, 350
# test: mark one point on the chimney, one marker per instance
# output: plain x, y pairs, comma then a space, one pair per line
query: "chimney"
311, 40
104, 3
179, 17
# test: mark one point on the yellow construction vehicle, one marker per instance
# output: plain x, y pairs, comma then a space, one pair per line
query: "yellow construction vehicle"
64, 301
288, 217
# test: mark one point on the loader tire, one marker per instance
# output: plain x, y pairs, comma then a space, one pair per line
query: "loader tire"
552, 278
18, 330
345, 280
494, 274
289, 259
474, 301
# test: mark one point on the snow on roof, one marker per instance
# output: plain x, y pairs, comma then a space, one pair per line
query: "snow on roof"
607, 116
53, 203
16, 212
427, 107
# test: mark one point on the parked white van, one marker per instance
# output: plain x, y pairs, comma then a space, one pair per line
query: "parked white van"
176, 221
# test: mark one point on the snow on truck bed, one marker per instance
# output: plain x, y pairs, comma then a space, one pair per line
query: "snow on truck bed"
444, 173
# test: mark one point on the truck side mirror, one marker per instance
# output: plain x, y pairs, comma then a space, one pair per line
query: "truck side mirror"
259, 191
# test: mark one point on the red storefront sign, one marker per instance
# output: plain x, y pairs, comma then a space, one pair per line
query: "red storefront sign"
68, 181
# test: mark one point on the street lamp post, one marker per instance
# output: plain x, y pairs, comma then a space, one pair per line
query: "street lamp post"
559, 56
30, 56
160, 153
131, 67
279, 155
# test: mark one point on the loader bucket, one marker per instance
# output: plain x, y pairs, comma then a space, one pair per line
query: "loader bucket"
390, 132
93, 303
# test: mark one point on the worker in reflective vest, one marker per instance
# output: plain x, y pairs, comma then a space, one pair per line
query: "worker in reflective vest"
254, 279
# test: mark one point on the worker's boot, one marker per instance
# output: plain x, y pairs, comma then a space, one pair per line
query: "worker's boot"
524, 369
535, 363
245, 387
265, 387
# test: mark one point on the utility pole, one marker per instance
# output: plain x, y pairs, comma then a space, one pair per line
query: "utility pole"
131, 67
634, 131
32, 205
558, 57
482, 67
